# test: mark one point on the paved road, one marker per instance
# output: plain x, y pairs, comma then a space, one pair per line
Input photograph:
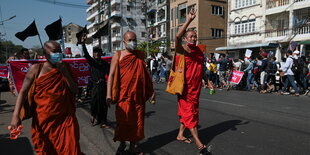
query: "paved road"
234, 123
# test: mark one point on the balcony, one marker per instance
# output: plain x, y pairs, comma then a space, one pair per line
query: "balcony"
115, 25
116, 13
277, 33
92, 16
116, 38
276, 3
91, 25
113, 2
302, 30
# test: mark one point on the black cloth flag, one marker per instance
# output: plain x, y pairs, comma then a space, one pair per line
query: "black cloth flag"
79, 34
31, 30
54, 30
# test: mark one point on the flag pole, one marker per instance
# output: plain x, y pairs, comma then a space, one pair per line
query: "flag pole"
40, 40
62, 39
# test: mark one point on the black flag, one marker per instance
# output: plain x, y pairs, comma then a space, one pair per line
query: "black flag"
31, 30
54, 30
103, 31
79, 34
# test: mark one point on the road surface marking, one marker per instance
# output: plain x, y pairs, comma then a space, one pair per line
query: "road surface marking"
227, 103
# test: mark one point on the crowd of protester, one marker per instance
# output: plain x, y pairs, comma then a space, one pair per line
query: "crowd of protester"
263, 73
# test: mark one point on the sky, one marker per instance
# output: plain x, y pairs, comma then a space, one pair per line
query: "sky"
43, 13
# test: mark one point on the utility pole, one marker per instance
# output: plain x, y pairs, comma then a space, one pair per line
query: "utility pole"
99, 21
109, 28
147, 30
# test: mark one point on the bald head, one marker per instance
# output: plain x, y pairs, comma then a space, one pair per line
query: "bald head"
52, 46
130, 36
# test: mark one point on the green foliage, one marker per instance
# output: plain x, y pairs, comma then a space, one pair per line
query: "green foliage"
153, 47
7, 49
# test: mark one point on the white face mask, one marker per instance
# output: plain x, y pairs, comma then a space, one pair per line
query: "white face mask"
132, 45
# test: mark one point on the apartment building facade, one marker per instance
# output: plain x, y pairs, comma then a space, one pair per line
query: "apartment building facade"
115, 17
210, 22
157, 23
268, 24
69, 32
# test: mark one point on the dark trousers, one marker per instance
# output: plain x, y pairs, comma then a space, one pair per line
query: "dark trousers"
290, 80
167, 74
99, 108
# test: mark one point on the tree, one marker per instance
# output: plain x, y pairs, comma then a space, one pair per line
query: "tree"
7, 49
153, 47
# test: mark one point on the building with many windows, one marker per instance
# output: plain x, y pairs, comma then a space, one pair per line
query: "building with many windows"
210, 22
268, 24
157, 23
114, 18
69, 32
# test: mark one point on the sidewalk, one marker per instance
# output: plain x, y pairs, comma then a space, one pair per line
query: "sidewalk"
93, 140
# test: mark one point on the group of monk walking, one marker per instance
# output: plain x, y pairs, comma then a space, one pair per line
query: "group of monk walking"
55, 128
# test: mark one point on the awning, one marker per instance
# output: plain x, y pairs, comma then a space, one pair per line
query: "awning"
307, 42
230, 48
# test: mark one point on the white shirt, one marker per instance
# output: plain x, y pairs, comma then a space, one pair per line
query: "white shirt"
288, 65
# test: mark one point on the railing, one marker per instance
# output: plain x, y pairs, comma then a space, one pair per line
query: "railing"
300, 0
302, 30
277, 33
276, 3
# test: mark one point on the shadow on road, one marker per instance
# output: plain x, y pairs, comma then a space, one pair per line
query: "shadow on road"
21, 145
206, 135
209, 133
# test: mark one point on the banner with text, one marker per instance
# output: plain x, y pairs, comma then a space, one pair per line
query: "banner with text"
235, 77
19, 68
3, 71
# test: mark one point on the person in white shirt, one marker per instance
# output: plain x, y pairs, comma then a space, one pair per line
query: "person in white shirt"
290, 79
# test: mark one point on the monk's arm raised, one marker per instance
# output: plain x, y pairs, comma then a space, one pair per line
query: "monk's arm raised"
111, 75
22, 95
178, 43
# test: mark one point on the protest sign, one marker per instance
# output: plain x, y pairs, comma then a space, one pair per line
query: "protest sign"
80, 67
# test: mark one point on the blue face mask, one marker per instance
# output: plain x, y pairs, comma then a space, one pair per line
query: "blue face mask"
55, 58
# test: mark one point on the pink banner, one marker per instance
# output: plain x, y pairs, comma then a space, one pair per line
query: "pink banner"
19, 68
235, 77
3, 71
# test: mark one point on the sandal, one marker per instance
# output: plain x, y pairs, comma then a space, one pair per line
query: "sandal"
120, 150
104, 126
185, 140
92, 121
204, 150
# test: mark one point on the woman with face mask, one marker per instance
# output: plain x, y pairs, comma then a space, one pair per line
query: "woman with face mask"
188, 102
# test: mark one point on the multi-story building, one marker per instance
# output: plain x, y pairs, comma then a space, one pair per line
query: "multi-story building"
210, 22
116, 17
69, 32
268, 24
158, 23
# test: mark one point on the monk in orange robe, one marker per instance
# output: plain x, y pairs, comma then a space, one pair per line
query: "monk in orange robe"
135, 88
55, 128
188, 102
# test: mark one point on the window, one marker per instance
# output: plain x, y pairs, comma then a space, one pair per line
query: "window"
245, 27
171, 15
217, 10
143, 34
244, 3
182, 11
128, 8
189, 8
217, 33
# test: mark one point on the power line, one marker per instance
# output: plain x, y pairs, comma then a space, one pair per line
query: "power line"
71, 5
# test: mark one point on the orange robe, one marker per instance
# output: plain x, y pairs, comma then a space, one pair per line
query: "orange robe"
55, 128
136, 88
